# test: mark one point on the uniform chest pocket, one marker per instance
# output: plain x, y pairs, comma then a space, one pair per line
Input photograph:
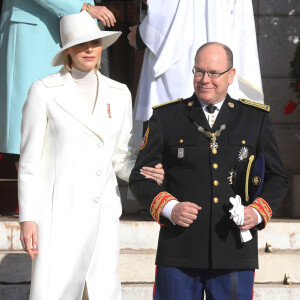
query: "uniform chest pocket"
242, 141
183, 140
182, 147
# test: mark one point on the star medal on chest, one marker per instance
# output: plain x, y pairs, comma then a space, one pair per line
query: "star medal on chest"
212, 136
243, 153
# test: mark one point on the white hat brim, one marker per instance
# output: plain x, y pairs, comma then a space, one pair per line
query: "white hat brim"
107, 38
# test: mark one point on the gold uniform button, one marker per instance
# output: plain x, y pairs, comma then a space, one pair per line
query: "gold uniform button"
181, 141
216, 200
215, 166
243, 142
216, 182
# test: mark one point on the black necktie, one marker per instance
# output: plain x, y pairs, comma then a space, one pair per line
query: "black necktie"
211, 108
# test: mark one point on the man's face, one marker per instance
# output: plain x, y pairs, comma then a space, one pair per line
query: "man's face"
213, 59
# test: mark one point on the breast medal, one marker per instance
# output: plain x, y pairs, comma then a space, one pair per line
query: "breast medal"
180, 153
212, 136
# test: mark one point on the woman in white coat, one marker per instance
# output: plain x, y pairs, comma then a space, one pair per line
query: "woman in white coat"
76, 137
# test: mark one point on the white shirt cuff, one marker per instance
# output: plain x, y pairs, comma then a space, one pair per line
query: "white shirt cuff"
167, 211
259, 217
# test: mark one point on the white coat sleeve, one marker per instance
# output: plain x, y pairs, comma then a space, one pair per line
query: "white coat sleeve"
245, 51
124, 158
167, 31
157, 22
33, 129
63, 7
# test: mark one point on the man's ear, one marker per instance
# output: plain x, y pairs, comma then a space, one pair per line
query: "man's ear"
231, 74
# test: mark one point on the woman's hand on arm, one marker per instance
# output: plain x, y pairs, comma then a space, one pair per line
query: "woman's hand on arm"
157, 173
28, 238
101, 13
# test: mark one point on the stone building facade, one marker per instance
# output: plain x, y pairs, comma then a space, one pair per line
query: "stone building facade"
278, 31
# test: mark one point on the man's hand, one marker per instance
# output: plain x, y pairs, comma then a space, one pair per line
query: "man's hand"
157, 173
28, 238
132, 36
250, 218
185, 213
101, 13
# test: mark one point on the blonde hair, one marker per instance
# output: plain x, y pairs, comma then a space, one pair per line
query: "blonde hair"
68, 63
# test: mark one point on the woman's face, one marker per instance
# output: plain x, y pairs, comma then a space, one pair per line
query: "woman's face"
86, 55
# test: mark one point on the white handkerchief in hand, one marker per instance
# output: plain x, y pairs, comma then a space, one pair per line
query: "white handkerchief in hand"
237, 214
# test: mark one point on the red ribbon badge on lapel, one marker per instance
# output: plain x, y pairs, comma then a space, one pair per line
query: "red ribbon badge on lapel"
108, 110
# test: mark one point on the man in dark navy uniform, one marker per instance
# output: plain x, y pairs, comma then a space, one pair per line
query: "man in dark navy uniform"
224, 178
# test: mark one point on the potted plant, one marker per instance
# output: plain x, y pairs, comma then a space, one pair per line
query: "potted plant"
294, 74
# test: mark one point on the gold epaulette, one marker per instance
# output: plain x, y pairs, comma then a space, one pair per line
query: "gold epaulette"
255, 104
166, 103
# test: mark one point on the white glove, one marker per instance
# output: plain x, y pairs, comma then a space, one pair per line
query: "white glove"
237, 214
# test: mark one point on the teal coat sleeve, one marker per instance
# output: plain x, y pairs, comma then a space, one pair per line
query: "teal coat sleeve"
62, 7
29, 39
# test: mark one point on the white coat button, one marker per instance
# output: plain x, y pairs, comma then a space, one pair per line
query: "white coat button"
97, 199
98, 172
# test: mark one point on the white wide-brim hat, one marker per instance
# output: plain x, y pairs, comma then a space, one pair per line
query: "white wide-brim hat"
80, 28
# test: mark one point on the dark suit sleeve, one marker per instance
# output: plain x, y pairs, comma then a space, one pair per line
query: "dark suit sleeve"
147, 191
139, 41
275, 182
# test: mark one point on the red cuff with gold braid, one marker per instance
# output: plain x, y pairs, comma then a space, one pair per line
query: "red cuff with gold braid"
263, 208
159, 203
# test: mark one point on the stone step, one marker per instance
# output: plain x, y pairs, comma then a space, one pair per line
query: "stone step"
139, 234
144, 292
280, 233
139, 266
14, 291
134, 266
135, 234
15, 267
273, 266
276, 292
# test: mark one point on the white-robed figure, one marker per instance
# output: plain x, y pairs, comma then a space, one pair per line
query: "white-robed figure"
173, 30
76, 137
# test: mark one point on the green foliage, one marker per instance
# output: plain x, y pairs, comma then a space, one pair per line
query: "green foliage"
295, 71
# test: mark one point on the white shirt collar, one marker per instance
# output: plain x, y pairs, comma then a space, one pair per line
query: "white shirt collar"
217, 105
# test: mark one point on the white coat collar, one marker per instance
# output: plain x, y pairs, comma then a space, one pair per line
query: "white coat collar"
65, 95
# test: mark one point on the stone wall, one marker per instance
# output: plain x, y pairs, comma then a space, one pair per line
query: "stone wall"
278, 30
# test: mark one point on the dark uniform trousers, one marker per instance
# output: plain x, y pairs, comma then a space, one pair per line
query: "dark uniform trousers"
179, 136
189, 284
